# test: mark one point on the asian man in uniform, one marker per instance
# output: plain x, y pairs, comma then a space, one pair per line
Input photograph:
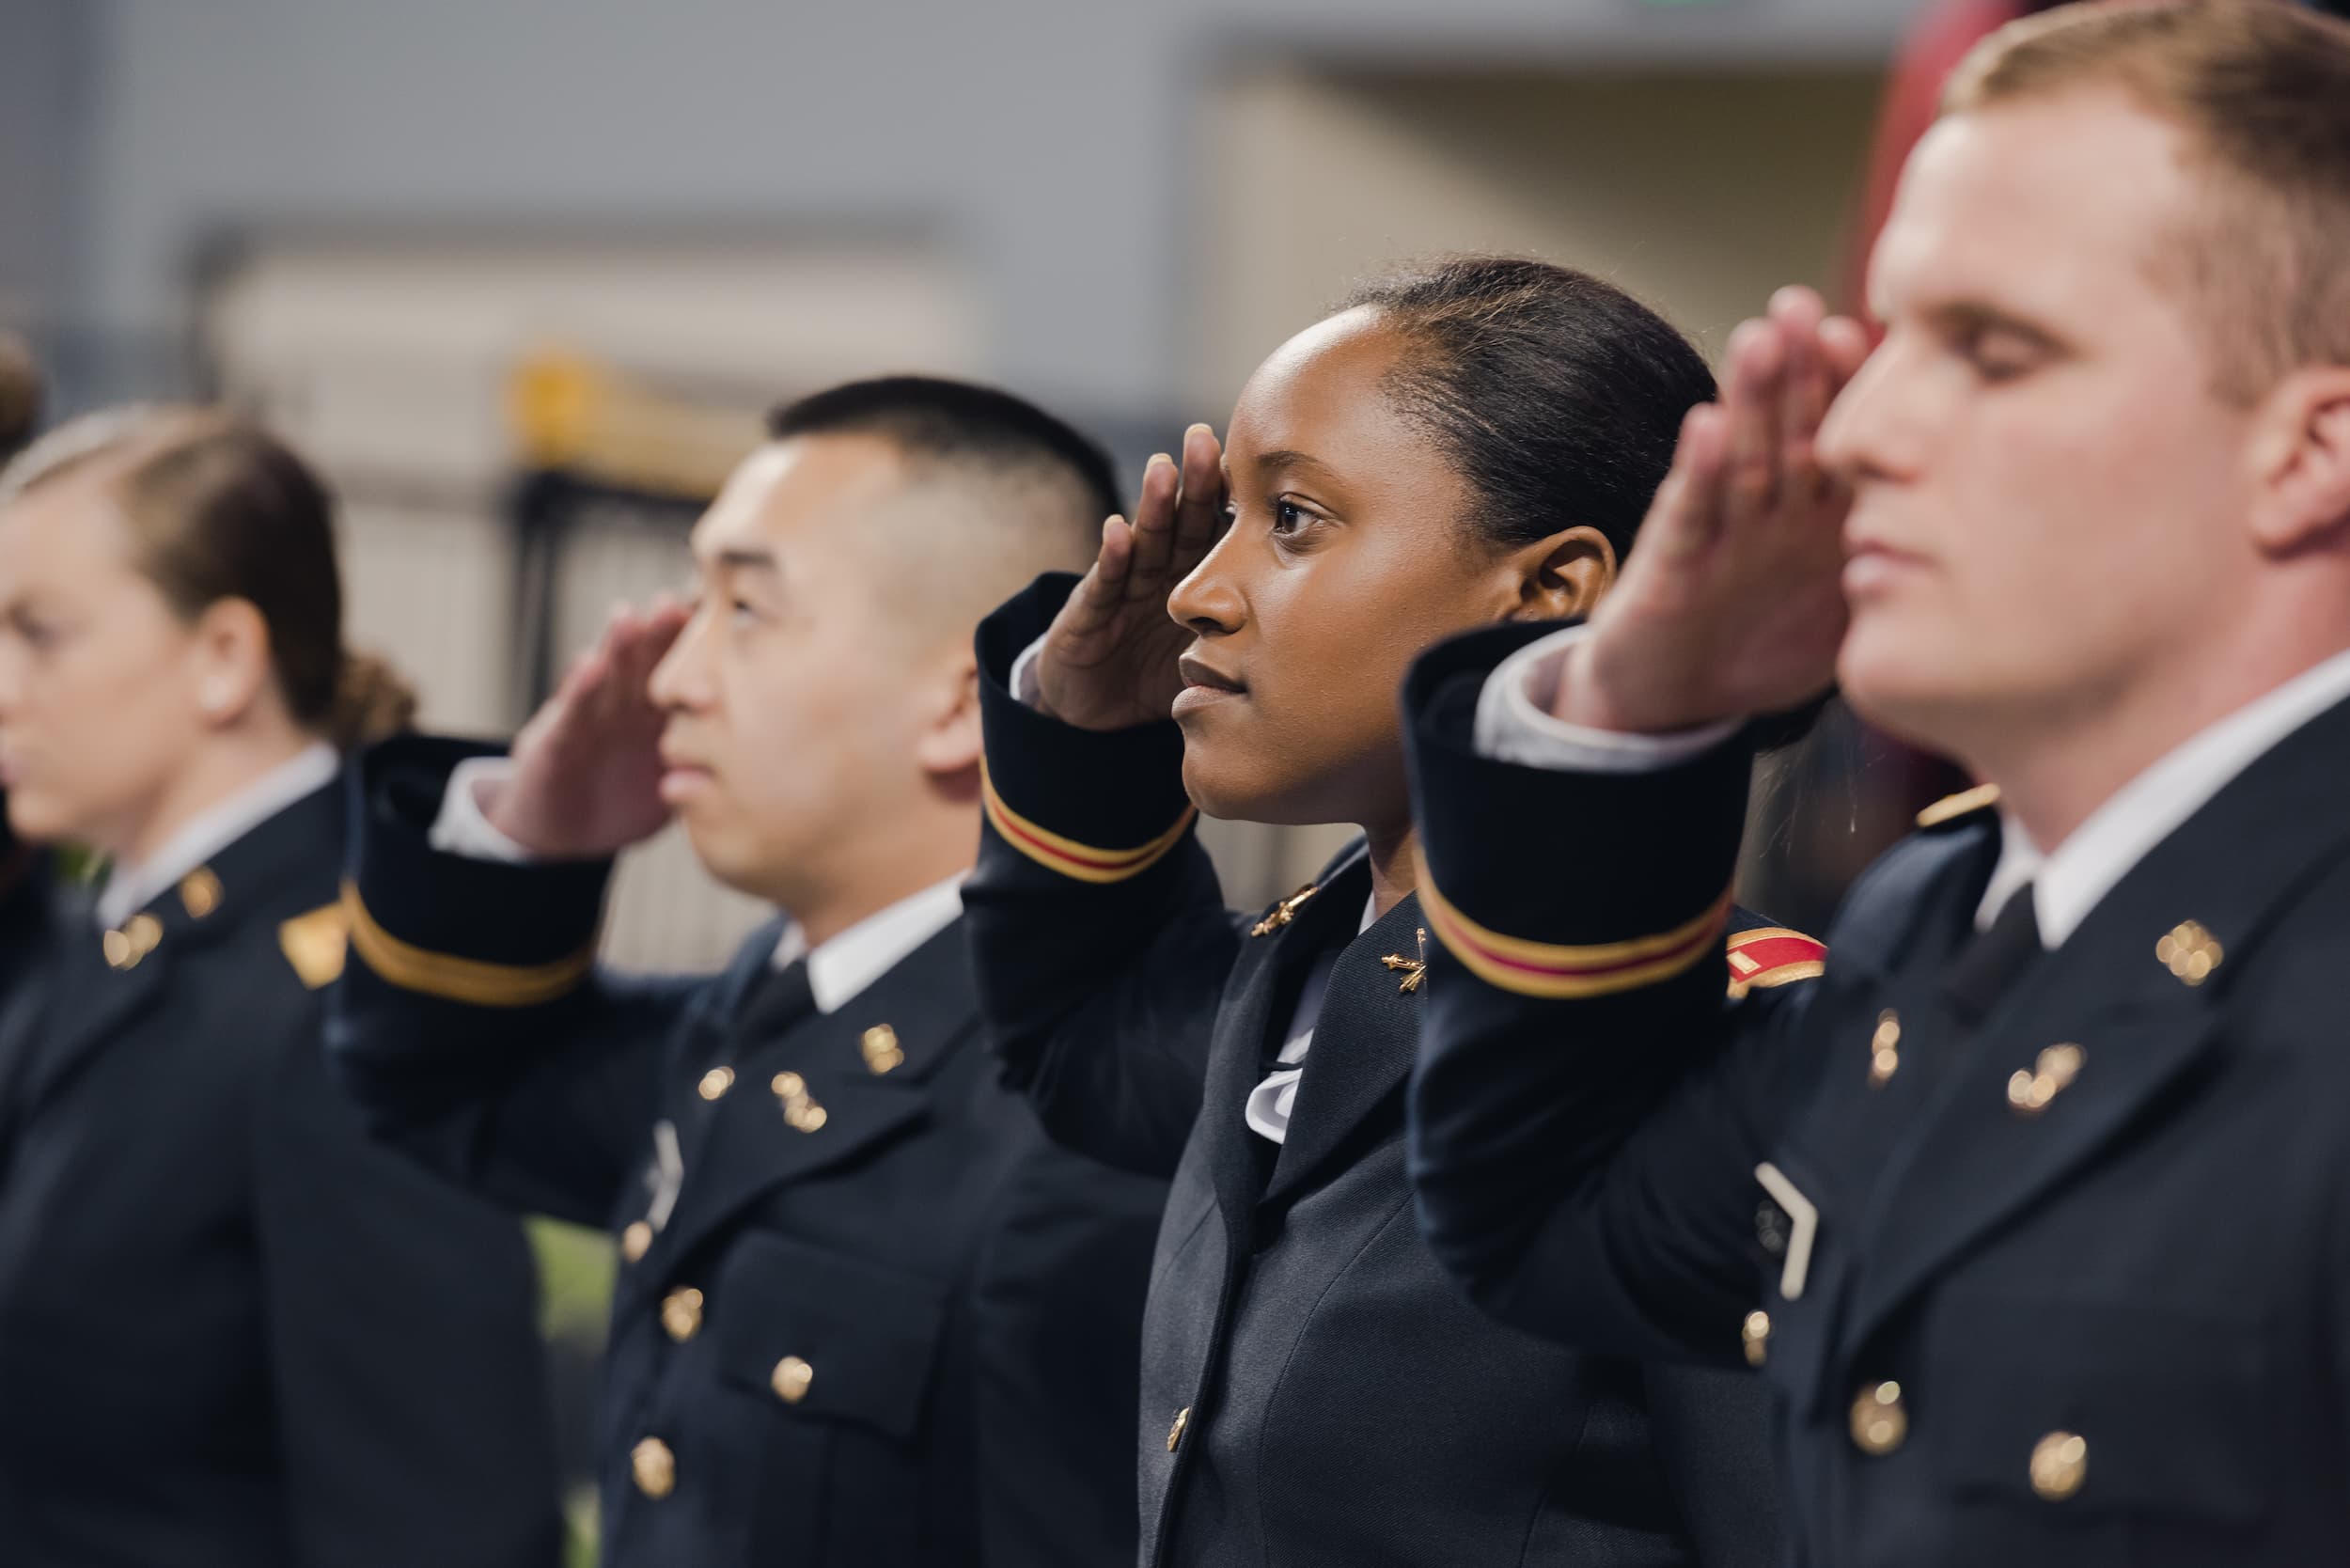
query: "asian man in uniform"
867, 1315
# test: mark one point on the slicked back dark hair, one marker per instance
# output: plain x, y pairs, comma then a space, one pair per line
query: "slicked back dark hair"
1557, 397
954, 421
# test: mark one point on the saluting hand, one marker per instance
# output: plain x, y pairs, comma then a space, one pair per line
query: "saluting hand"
586, 775
1731, 604
1109, 660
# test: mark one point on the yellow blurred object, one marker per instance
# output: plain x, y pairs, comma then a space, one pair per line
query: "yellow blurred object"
575, 414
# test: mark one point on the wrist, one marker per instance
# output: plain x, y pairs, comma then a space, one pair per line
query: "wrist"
494, 797
1583, 697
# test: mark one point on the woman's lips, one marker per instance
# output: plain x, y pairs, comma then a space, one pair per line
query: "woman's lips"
680, 781
1874, 568
1203, 686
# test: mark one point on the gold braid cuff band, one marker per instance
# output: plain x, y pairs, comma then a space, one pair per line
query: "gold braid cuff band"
1068, 857
1557, 972
469, 981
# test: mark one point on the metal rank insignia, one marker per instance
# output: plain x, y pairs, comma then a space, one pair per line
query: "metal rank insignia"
1284, 912
1414, 970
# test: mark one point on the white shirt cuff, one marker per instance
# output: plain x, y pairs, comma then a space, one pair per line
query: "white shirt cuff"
1514, 723
461, 829
1025, 689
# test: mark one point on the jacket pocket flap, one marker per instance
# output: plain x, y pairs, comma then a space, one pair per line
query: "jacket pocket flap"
2097, 1406
827, 1334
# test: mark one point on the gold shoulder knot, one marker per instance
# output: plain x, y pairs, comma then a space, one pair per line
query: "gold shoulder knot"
315, 943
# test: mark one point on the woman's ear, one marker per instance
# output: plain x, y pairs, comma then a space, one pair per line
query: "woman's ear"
1563, 576
2302, 457
949, 747
231, 654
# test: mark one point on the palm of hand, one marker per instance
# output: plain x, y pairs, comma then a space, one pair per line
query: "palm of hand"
1108, 661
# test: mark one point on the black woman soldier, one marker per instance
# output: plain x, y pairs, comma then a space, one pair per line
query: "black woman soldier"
234, 1332
1469, 443
2051, 1163
869, 1316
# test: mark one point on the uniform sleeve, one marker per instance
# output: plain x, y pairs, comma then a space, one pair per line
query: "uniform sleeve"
404, 1358
1099, 933
1058, 1327
1589, 1104
472, 1022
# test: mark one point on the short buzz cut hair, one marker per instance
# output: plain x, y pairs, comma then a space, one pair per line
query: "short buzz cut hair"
932, 419
2262, 89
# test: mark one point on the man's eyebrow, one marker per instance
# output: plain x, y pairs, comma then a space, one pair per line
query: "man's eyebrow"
746, 559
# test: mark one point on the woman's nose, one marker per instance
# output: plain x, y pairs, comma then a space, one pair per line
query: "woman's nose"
1209, 602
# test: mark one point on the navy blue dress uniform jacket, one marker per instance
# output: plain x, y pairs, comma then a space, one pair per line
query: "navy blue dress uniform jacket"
2050, 1266
234, 1332
870, 1318
24, 893
1315, 1392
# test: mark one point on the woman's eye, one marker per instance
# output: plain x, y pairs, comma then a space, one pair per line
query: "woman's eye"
1287, 517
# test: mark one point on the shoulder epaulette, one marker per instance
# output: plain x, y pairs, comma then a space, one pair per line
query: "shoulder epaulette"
315, 943
1773, 955
1957, 808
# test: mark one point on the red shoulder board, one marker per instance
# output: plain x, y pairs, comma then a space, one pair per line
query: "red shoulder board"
1772, 955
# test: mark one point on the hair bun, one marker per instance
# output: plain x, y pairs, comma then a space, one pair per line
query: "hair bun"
373, 701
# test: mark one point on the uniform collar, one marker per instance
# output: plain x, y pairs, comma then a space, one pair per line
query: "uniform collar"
131, 888
2069, 883
841, 968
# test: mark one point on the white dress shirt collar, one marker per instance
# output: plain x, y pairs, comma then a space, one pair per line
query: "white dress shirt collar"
2069, 883
1268, 1107
132, 888
839, 968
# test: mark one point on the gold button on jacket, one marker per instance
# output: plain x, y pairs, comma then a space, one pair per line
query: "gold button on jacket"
1880, 1422
653, 1466
1757, 1335
716, 1082
636, 1240
791, 1378
2060, 1462
681, 1313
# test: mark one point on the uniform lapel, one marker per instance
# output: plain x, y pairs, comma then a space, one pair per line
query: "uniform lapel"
83, 1004
846, 1089
1271, 964
1364, 1043
94, 995
2142, 1029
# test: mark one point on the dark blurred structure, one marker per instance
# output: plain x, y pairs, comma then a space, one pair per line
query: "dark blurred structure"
21, 389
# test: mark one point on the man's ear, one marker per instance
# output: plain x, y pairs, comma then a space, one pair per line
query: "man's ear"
949, 747
1560, 577
2301, 457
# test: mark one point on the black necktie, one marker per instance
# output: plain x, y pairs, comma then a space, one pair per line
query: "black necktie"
780, 999
1990, 963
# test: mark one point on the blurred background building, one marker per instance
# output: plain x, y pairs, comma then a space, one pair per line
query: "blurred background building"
445, 246
520, 274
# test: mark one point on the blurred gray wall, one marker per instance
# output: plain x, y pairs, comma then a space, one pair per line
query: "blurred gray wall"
1053, 143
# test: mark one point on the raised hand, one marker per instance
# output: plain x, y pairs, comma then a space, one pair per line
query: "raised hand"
586, 777
1730, 605
1109, 660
